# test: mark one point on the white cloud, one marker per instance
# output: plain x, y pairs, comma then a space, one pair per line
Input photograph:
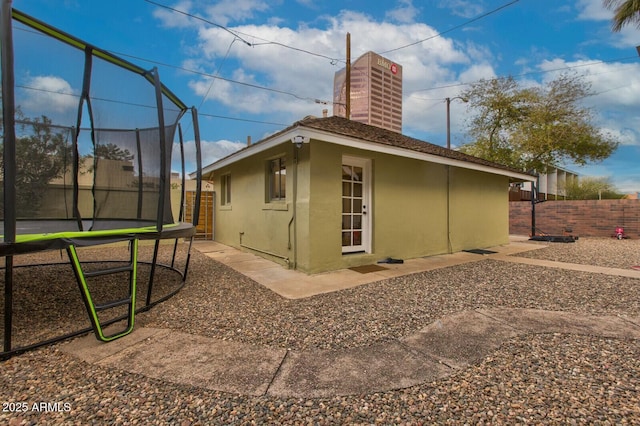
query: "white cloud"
592, 10
172, 19
616, 87
463, 8
226, 11
50, 94
405, 12
212, 151
425, 64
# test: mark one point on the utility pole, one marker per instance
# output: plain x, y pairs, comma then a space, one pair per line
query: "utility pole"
348, 80
448, 102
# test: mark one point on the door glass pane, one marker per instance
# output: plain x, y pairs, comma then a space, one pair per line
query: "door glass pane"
357, 206
357, 190
357, 174
357, 238
346, 172
357, 221
346, 239
346, 205
346, 222
346, 189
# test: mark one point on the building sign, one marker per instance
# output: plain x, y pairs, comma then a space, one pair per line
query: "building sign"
388, 65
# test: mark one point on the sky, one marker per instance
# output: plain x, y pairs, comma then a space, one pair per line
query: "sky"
254, 67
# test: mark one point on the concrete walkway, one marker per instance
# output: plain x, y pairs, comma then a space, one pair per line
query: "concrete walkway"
449, 344
293, 284
436, 351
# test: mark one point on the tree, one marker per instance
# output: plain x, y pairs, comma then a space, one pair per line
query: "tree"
625, 12
591, 188
42, 154
534, 128
112, 151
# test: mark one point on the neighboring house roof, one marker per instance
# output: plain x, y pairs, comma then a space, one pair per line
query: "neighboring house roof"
346, 132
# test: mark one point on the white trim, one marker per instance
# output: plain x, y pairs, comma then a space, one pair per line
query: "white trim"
349, 141
367, 216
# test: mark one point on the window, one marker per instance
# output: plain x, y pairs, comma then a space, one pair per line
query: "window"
225, 189
277, 179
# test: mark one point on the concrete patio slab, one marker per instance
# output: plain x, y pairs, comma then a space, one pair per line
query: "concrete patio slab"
381, 367
461, 339
92, 350
191, 360
293, 284
539, 321
451, 343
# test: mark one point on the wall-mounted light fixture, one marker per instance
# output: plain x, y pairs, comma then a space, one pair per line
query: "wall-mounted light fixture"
298, 140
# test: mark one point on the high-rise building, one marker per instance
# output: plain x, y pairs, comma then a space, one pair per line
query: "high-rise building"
376, 92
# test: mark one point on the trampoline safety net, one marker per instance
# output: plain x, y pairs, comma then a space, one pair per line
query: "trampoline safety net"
93, 137
86, 144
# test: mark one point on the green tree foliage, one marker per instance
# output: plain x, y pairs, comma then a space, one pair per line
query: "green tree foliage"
625, 12
534, 128
591, 188
112, 151
42, 154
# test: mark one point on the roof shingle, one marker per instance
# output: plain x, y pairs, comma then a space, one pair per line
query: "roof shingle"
354, 129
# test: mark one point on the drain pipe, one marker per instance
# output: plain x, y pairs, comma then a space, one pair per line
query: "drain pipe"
294, 218
279, 256
298, 141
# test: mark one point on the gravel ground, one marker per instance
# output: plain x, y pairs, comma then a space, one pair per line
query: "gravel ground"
541, 379
589, 251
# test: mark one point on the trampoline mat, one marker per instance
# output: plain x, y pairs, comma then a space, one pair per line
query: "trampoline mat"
37, 235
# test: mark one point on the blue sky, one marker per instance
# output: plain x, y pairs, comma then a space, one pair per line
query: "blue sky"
294, 47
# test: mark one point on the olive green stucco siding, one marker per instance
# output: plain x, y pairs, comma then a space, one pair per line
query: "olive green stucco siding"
249, 218
408, 208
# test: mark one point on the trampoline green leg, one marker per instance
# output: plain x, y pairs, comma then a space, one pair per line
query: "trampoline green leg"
92, 307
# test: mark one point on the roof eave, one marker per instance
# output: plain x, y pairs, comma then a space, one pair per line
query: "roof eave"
327, 136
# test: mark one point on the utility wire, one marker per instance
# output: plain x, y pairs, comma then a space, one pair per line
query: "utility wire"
201, 19
590, 64
236, 34
477, 18
213, 80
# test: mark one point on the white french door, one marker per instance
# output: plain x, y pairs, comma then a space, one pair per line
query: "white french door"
356, 211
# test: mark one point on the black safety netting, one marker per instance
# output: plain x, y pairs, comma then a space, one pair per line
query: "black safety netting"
93, 137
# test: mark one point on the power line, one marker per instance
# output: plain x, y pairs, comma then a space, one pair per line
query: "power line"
246, 120
204, 74
235, 34
477, 18
447, 86
201, 19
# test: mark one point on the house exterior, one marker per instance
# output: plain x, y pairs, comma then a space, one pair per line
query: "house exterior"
550, 186
331, 193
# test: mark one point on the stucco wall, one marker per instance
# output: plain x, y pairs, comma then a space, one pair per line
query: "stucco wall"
264, 226
408, 208
479, 209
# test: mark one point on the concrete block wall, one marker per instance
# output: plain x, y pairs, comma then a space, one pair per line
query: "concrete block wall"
585, 218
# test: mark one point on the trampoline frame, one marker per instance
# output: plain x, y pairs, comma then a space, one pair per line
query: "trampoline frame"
13, 243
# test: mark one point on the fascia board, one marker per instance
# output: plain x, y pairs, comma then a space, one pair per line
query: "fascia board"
359, 144
409, 153
256, 149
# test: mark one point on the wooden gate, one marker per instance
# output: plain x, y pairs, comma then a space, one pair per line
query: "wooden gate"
204, 230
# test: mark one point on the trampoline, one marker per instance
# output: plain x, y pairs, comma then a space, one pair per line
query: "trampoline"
88, 140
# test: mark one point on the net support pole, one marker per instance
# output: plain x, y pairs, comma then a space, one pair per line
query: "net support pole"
9, 159
164, 163
196, 137
8, 122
